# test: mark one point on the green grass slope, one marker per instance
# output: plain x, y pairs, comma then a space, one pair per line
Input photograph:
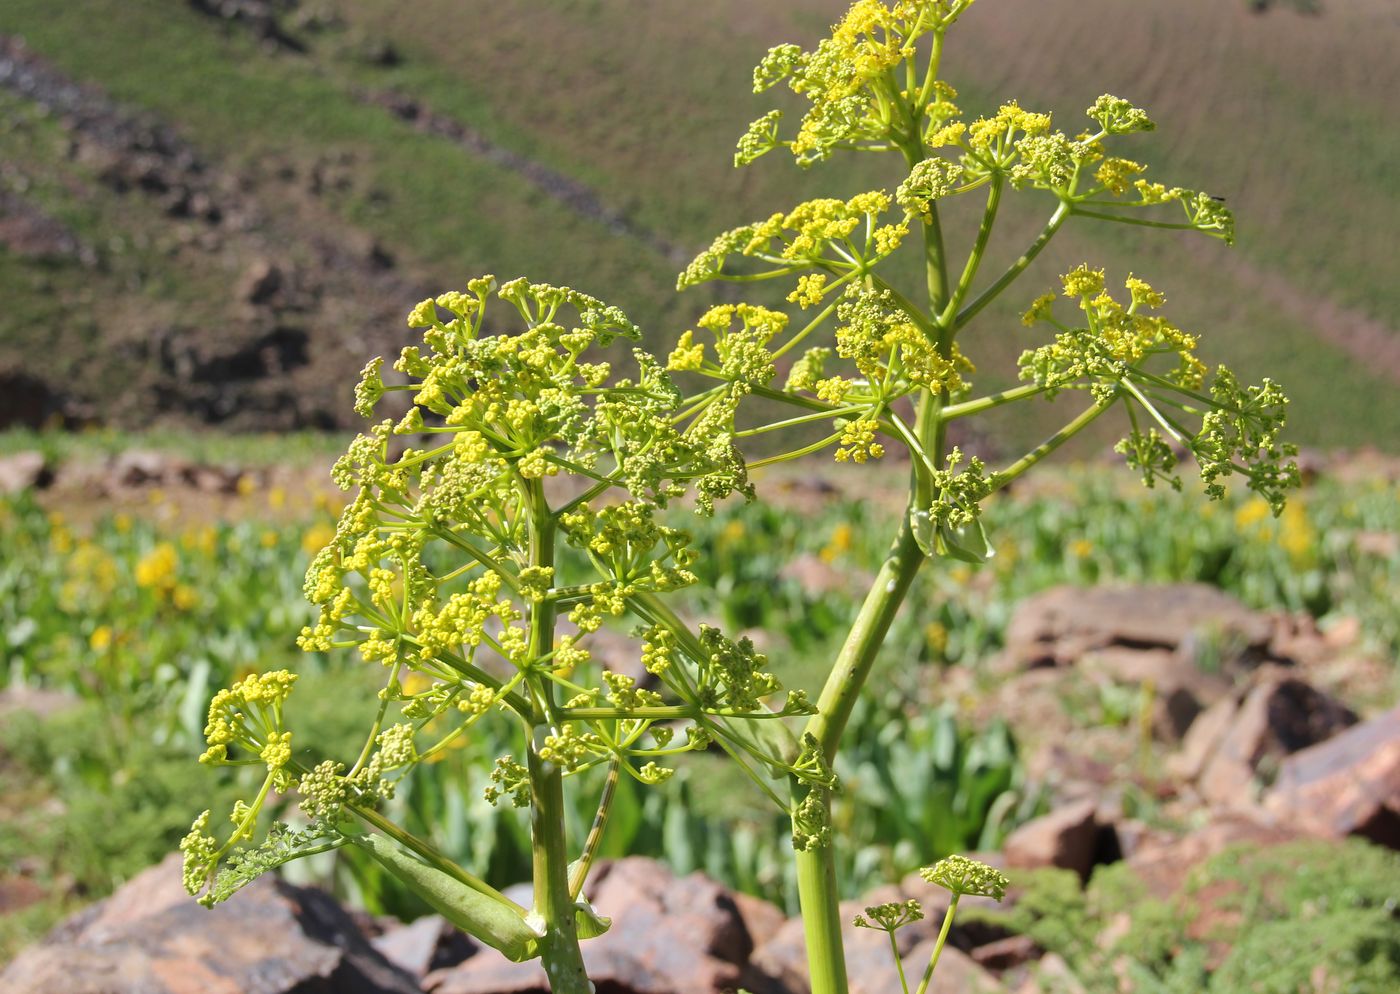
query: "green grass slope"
1284, 115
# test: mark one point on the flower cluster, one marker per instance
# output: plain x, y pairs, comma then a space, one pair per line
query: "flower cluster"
1237, 428
963, 877
846, 79
496, 411
826, 233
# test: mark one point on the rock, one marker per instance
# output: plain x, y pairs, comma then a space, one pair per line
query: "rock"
761, 919
669, 935
1278, 716
260, 282
1004, 954
141, 467
1298, 640
18, 893
427, 944
956, 973
1347, 785
1058, 626
23, 471
781, 963
1067, 837
150, 938
35, 700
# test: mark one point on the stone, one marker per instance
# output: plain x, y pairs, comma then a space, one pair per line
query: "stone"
1067, 837
1347, 785
140, 467
23, 471
781, 963
761, 918
426, 944
1278, 716
150, 938
1060, 625
260, 282
1007, 953
669, 935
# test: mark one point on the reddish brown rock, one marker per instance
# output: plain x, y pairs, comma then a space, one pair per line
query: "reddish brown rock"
151, 938
1058, 626
781, 963
23, 471
669, 935
1228, 747
1347, 785
427, 944
1067, 837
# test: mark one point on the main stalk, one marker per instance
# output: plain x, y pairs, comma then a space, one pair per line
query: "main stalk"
554, 907
817, 890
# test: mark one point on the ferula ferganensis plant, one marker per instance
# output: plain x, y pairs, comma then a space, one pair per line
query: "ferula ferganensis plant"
445, 564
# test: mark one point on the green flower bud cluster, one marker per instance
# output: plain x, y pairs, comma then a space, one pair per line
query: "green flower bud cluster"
963, 877
890, 916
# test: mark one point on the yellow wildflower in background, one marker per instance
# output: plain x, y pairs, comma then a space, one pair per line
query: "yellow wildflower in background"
156, 569
317, 538
936, 637
1251, 513
101, 638
1297, 535
839, 544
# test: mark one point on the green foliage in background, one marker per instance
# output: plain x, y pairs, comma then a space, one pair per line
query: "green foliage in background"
1304, 916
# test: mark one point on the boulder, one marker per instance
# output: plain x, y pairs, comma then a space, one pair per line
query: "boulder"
150, 938
781, 963
1060, 625
1347, 785
23, 471
1242, 737
1067, 837
1180, 691
426, 944
669, 935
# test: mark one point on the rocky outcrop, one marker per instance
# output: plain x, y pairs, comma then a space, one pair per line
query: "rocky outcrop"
150, 938
1346, 785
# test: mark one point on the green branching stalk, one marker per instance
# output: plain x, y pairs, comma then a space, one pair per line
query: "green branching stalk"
514, 400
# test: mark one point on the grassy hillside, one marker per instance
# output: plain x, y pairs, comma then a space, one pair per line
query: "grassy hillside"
383, 149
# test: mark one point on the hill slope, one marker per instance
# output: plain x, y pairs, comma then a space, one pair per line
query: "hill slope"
237, 211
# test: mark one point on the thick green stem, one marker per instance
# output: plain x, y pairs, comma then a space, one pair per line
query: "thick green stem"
553, 913
554, 905
816, 867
